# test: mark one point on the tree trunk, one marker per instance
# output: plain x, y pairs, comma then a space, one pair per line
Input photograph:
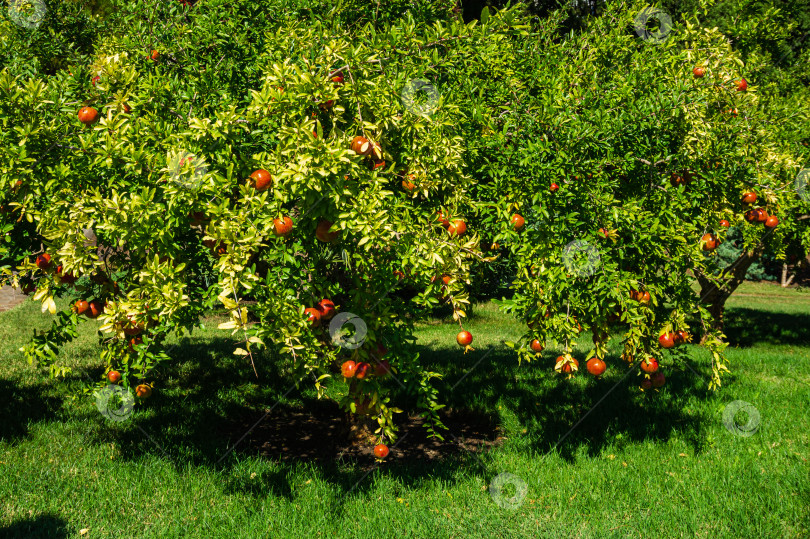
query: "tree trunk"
715, 295
785, 280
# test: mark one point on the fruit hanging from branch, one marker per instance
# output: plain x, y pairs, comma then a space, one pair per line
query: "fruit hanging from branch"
641, 297
95, 309
322, 231
566, 364
709, 241
283, 226
667, 339
596, 366
81, 307
465, 338
44, 261
66, 278
408, 184
362, 371
261, 180
313, 316
649, 365
88, 115
457, 227
348, 369
326, 308
135, 341
132, 330
361, 146
676, 179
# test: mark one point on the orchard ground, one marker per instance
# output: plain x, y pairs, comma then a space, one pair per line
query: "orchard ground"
639, 464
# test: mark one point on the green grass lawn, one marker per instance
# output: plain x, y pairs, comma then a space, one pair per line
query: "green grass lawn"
638, 464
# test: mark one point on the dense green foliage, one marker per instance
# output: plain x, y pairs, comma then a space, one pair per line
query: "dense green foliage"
193, 99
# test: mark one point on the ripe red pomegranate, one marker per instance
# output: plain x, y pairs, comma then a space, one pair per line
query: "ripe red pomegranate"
457, 227
362, 370
667, 340
348, 369
464, 338
314, 316
361, 145
283, 226
710, 242
261, 180
596, 366
567, 367
43, 261
88, 115
81, 306
649, 365
327, 308
96, 307
322, 231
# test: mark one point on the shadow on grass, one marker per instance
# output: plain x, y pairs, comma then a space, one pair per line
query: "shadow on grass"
214, 401
46, 526
549, 406
22, 405
747, 327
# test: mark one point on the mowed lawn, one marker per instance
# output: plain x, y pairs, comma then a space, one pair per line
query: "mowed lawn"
587, 458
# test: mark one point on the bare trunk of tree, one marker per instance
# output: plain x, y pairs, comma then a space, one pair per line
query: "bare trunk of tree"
715, 295
785, 280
